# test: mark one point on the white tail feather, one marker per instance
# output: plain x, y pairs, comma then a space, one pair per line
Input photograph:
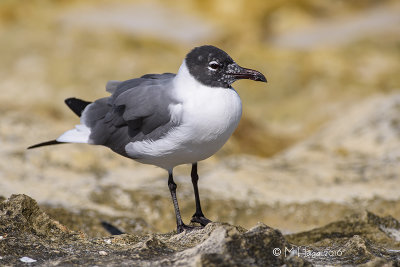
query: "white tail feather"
80, 134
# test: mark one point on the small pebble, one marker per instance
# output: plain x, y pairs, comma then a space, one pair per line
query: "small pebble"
108, 241
27, 259
103, 253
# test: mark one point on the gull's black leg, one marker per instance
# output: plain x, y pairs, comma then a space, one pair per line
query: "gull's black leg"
180, 226
198, 216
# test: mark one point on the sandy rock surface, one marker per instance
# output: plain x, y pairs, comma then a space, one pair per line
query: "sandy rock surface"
316, 193
350, 164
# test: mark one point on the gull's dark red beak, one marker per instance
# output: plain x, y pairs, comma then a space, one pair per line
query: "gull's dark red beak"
242, 73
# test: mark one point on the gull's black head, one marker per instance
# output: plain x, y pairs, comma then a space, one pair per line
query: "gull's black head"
213, 67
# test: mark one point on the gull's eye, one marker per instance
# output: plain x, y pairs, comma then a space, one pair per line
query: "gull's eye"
213, 65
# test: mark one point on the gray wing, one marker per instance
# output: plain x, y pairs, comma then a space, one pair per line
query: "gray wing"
112, 85
137, 110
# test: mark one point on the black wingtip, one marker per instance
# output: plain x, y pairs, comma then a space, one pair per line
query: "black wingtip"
48, 143
76, 105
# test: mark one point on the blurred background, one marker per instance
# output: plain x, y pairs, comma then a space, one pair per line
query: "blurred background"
316, 143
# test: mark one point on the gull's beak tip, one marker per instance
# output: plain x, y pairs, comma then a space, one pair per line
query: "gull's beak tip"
261, 78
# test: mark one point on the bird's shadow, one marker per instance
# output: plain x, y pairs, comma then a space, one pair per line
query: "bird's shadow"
111, 228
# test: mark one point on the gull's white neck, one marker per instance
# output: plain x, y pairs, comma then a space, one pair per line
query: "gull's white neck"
211, 112
184, 81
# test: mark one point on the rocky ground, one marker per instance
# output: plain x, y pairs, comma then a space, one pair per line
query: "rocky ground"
30, 236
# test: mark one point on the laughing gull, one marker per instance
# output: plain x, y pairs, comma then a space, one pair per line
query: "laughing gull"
167, 119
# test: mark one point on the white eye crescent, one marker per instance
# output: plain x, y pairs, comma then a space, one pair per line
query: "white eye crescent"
213, 65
